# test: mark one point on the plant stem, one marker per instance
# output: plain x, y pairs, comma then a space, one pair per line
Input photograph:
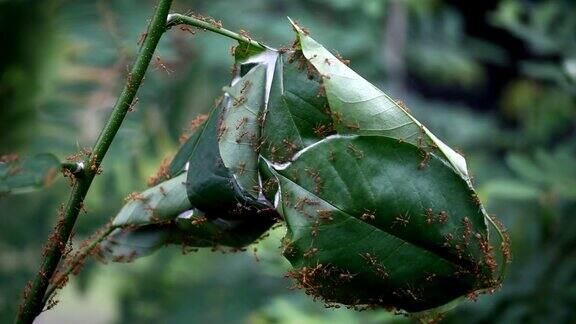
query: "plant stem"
33, 302
179, 19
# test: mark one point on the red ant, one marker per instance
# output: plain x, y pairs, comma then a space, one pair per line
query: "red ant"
161, 66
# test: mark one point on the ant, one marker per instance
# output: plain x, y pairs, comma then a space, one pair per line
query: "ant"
132, 106
188, 29
367, 215
347, 276
358, 154
402, 220
241, 122
161, 66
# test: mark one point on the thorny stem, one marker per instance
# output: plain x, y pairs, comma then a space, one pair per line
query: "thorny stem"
33, 302
179, 19
77, 261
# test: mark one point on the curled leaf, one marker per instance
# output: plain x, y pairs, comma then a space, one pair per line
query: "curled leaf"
239, 139
160, 203
359, 107
211, 186
190, 230
297, 113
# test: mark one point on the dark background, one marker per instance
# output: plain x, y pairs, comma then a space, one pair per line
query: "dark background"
495, 79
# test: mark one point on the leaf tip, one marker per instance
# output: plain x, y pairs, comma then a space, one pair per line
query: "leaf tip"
299, 29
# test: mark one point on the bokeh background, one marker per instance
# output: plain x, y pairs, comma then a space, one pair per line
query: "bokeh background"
496, 79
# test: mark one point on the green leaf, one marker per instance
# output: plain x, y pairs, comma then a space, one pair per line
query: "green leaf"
239, 136
297, 114
367, 225
191, 229
160, 203
22, 175
210, 185
358, 107
186, 152
125, 245
198, 231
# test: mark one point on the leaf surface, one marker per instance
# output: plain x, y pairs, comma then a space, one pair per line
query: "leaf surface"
239, 133
160, 203
186, 151
210, 185
191, 229
411, 238
22, 175
359, 107
297, 112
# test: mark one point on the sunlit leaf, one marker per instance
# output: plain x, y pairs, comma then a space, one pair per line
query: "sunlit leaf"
358, 107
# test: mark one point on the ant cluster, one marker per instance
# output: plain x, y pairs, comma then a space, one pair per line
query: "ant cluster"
245, 34
402, 105
332, 285
290, 147
188, 29
322, 130
375, 265
341, 59
269, 187
162, 173
505, 245
318, 182
297, 56
192, 127
423, 151
83, 154
216, 23
356, 152
441, 218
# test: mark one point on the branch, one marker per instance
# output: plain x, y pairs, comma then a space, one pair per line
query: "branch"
78, 260
75, 169
179, 19
34, 293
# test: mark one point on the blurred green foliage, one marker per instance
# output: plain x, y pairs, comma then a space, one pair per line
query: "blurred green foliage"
498, 81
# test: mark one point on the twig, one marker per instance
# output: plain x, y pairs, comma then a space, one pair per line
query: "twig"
77, 260
179, 19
